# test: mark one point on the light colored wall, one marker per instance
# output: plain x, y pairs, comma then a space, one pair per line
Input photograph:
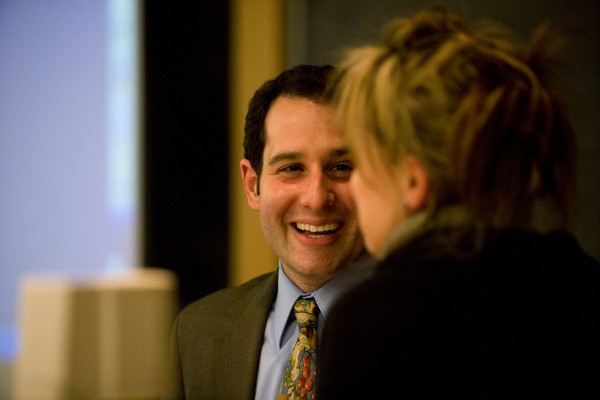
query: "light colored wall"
257, 54
67, 146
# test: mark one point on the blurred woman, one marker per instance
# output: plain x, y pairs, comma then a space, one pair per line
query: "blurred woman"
458, 135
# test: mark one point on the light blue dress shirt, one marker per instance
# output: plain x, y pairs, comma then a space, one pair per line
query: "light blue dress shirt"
281, 329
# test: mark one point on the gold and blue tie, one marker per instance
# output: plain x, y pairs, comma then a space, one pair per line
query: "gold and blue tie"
300, 374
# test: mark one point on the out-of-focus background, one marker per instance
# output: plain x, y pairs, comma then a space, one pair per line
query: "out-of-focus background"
120, 134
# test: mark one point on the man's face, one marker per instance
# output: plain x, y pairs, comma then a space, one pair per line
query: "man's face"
306, 211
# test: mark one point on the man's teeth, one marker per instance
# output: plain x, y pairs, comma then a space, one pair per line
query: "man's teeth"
315, 228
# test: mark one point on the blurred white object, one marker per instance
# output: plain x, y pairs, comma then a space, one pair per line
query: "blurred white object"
94, 338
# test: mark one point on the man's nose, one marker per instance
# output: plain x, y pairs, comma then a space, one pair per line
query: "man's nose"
317, 192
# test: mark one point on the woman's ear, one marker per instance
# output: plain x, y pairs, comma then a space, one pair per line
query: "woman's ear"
250, 181
416, 183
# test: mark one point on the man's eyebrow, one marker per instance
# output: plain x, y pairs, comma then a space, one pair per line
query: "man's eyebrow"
295, 155
339, 152
288, 155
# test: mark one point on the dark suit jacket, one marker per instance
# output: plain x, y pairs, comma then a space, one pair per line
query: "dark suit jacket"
217, 340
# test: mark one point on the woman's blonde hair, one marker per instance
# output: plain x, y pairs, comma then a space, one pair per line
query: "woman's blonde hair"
477, 108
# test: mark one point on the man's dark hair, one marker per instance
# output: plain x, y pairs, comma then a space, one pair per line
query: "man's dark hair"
301, 81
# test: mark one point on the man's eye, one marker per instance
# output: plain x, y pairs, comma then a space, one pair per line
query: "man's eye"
290, 168
340, 171
342, 167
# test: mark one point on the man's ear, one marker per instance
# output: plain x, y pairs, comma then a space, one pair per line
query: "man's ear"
250, 181
416, 183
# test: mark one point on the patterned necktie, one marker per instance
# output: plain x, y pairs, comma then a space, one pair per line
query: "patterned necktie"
299, 378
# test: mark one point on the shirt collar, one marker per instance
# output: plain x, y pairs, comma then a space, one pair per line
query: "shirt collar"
288, 292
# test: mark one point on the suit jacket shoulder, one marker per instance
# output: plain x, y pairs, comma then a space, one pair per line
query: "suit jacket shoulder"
220, 336
236, 299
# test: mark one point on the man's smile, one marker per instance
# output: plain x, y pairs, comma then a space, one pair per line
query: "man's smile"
316, 231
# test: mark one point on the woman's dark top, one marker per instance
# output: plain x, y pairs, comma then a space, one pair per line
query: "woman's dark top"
518, 319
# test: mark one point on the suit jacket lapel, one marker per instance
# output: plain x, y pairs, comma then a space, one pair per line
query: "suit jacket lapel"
236, 363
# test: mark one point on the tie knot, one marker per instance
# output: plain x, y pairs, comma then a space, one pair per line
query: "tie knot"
305, 310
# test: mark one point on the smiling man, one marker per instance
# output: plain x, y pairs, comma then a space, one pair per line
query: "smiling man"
236, 343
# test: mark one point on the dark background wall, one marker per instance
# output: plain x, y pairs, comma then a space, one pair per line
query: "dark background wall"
185, 147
